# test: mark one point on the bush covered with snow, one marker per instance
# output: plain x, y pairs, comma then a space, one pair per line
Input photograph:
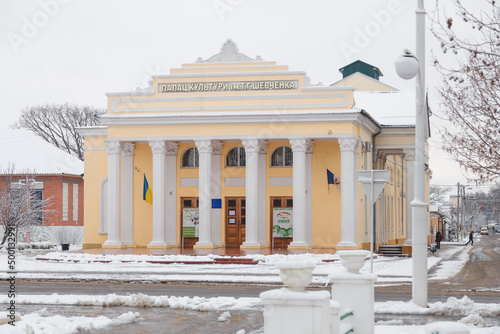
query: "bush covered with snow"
33, 245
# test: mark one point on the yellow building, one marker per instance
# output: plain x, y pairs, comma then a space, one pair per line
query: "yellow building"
236, 152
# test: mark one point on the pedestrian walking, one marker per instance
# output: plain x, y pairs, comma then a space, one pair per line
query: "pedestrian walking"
471, 238
439, 237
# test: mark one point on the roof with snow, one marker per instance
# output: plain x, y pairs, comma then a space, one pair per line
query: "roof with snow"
388, 108
27, 151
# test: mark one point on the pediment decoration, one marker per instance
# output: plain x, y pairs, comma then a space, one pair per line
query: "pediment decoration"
228, 53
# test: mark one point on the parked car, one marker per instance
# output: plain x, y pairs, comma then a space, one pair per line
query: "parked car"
484, 231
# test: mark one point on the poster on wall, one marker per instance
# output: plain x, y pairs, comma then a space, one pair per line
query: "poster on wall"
190, 223
282, 223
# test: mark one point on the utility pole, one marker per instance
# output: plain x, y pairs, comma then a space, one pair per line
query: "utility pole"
459, 230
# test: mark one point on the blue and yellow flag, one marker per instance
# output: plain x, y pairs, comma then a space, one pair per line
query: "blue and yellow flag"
147, 194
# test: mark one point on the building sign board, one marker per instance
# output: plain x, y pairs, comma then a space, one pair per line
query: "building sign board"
227, 86
190, 222
282, 222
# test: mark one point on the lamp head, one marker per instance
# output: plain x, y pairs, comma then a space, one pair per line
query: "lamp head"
406, 65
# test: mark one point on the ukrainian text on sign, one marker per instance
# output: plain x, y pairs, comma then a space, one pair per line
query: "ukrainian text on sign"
227, 86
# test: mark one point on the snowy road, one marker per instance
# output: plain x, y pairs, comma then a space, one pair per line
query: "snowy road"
196, 290
132, 309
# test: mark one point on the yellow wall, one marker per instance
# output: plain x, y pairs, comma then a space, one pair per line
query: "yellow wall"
325, 198
96, 164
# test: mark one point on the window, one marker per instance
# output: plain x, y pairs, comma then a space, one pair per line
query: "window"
282, 157
36, 201
236, 157
190, 158
75, 202
21, 194
65, 201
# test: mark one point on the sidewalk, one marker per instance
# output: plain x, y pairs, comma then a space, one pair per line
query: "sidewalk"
135, 265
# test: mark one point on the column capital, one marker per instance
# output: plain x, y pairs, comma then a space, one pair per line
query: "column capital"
209, 146
409, 154
300, 145
113, 147
349, 144
158, 147
255, 145
171, 148
310, 145
381, 156
128, 149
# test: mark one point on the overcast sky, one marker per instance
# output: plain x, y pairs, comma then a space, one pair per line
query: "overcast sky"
56, 51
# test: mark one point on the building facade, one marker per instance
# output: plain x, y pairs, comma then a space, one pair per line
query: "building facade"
238, 152
54, 176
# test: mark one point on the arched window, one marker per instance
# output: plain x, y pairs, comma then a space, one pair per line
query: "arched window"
236, 157
190, 158
282, 157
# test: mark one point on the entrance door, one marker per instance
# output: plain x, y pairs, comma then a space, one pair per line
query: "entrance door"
235, 221
190, 221
281, 221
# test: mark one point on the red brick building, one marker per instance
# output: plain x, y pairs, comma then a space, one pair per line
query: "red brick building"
55, 174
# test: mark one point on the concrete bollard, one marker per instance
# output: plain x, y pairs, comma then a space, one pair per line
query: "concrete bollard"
355, 292
292, 312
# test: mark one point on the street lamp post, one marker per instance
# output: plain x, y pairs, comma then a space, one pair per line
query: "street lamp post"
407, 66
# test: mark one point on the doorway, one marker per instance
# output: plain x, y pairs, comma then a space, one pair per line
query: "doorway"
235, 221
281, 221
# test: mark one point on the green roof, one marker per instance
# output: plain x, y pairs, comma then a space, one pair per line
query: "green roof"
361, 67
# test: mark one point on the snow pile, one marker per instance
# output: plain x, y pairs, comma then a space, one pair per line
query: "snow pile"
141, 300
453, 306
224, 316
41, 322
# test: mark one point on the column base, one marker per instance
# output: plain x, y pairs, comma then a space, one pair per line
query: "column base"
129, 244
347, 245
300, 245
157, 245
113, 245
207, 245
254, 245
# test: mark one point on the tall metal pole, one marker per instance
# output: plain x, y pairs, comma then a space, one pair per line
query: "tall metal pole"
419, 206
459, 227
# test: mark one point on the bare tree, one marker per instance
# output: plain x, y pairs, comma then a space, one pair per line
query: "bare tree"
56, 124
470, 92
438, 194
20, 203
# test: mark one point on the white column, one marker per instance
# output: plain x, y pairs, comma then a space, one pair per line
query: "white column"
205, 149
349, 192
255, 192
410, 192
215, 214
158, 148
299, 147
114, 149
171, 194
309, 191
128, 192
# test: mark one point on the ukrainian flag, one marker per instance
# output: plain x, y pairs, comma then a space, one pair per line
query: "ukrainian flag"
147, 194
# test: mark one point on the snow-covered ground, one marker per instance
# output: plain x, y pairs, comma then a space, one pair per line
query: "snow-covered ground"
390, 270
